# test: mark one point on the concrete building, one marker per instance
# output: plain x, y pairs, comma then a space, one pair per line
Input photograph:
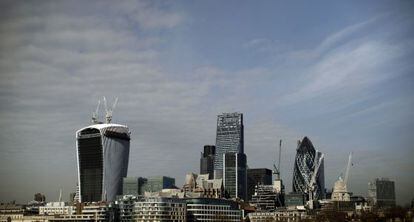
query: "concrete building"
57, 208
126, 206
279, 215
229, 138
202, 187
305, 161
207, 161
160, 209
381, 193
235, 175
255, 177
102, 154
210, 209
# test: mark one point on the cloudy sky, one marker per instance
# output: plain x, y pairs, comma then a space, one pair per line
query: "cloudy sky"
340, 72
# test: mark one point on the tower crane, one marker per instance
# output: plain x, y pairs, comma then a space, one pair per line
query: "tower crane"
311, 185
109, 111
96, 113
347, 169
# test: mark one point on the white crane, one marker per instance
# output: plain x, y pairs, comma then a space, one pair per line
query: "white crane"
311, 186
109, 111
96, 113
347, 169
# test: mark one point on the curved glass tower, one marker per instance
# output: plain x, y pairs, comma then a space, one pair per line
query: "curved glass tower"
102, 153
306, 155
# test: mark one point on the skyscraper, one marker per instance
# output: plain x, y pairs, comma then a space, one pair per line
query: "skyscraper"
257, 176
381, 193
229, 138
305, 161
235, 174
102, 154
207, 161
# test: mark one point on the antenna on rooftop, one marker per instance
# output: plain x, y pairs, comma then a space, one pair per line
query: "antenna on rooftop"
109, 111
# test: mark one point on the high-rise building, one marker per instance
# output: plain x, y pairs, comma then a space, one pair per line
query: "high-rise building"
381, 193
305, 162
235, 175
207, 161
102, 154
133, 185
257, 176
39, 197
157, 183
229, 138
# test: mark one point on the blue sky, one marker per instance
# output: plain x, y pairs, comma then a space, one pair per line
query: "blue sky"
339, 72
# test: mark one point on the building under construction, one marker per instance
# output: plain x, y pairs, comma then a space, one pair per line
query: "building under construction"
266, 198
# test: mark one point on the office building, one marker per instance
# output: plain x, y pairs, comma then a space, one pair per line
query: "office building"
229, 138
207, 161
126, 205
235, 175
157, 183
305, 161
202, 187
265, 198
133, 186
208, 209
160, 209
257, 176
381, 193
293, 200
56, 208
102, 154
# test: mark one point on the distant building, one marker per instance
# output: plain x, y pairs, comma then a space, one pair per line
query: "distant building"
39, 197
160, 209
257, 176
156, 184
381, 193
293, 200
57, 208
305, 161
202, 187
102, 153
207, 161
235, 175
266, 198
229, 138
133, 185
208, 209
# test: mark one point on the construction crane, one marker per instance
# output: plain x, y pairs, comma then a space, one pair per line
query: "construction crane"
96, 113
311, 185
347, 169
276, 170
109, 111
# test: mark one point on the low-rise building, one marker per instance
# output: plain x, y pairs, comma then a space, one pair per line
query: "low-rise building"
56, 208
212, 209
160, 209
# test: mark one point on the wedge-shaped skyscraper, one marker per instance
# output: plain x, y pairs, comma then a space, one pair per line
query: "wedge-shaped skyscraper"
102, 153
305, 162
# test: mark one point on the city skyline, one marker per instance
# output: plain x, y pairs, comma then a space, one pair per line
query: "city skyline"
339, 73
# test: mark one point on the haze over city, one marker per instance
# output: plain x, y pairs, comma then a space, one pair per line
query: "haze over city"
339, 72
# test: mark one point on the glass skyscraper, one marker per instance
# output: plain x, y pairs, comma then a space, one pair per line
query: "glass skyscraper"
235, 175
305, 161
102, 157
207, 161
229, 138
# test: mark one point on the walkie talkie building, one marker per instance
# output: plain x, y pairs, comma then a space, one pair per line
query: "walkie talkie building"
306, 155
102, 153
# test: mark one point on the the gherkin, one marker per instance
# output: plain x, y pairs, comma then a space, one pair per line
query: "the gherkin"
304, 168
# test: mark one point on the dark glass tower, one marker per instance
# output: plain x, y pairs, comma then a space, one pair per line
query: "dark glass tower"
235, 175
207, 161
257, 176
229, 138
102, 153
305, 159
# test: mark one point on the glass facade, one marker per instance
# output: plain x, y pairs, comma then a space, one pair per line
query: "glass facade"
235, 175
207, 161
156, 184
257, 176
102, 152
229, 138
306, 155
